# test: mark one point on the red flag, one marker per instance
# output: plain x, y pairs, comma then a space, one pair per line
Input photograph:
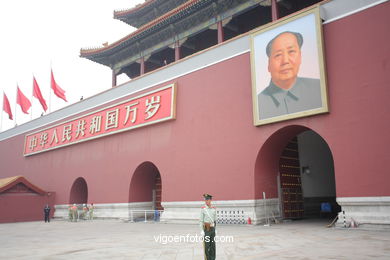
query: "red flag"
37, 93
6, 106
24, 103
57, 90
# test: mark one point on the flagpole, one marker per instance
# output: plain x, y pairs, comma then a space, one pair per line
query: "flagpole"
32, 99
1, 123
16, 102
51, 69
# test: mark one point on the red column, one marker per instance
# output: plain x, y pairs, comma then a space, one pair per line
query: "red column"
177, 51
113, 78
220, 32
142, 68
275, 10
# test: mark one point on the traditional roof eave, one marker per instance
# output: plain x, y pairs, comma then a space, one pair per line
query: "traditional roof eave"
7, 183
155, 23
147, 12
121, 13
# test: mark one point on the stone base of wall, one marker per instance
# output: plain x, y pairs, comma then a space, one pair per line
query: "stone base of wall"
189, 211
366, 211
109, 210
184, 212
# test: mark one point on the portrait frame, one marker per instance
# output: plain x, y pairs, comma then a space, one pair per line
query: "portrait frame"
309, 25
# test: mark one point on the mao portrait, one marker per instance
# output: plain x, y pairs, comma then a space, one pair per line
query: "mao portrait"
288, 78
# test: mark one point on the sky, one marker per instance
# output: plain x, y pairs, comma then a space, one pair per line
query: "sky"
43, 34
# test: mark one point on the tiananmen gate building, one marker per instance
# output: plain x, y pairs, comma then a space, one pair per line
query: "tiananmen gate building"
203, 113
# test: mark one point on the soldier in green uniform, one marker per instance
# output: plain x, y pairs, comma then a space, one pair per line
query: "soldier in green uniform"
75, 213
70, 213
91, 208
84, 213
208, 218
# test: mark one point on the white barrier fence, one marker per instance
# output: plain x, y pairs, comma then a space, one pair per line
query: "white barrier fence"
231, 217
144, 215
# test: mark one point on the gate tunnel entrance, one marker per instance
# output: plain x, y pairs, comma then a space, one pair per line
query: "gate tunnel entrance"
296, 166
146, 185
79, 192
307, 180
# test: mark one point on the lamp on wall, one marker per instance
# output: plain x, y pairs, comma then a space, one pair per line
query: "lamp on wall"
306, 170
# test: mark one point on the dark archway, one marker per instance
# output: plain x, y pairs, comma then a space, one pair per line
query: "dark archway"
267, 162
317, 175
146, 185
79, 192
295, 164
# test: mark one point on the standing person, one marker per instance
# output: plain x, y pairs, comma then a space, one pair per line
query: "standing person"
84, 214
208, 218
46, 210
75, 214
91, 211
70, 213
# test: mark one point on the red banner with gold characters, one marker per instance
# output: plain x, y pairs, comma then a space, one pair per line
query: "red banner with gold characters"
150, 108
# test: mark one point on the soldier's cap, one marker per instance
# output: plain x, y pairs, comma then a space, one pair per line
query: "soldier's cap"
207, 196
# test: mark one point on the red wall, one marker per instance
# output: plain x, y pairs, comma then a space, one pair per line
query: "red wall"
358, 65
213, 147
24, 207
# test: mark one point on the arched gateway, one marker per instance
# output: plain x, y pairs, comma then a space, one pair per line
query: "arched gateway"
79, 192
145, 187
295, 166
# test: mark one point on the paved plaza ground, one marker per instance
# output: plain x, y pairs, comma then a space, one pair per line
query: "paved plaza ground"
114, 239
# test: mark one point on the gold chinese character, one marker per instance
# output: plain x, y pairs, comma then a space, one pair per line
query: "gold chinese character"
54, 137
130, 110
66, 134
152, 106
96, 123
43, 139
33, 143
80, 128
112, 119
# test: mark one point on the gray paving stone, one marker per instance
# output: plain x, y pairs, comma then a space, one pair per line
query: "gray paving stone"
110, 239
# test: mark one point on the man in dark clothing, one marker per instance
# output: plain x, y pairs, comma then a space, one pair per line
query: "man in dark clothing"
46, 210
